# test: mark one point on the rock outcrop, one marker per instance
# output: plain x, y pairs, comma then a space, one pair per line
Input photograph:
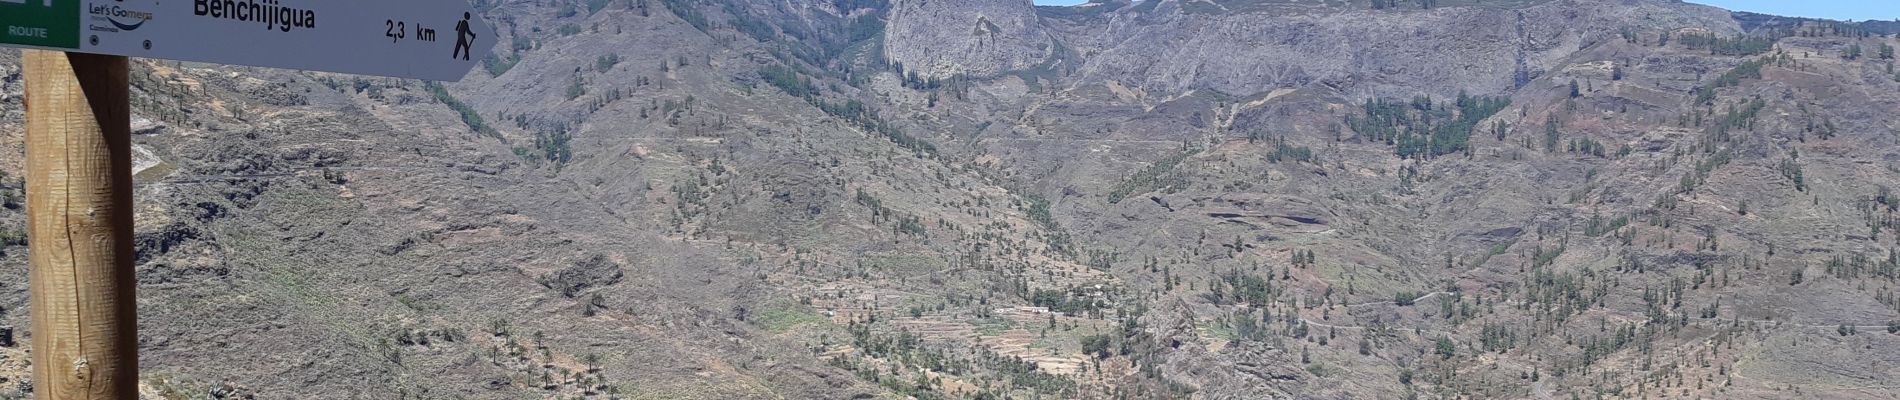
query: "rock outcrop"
940, 38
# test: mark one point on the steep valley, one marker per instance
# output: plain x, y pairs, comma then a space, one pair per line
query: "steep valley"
926, 199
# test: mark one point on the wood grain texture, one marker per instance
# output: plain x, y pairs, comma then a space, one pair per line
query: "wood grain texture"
79, 218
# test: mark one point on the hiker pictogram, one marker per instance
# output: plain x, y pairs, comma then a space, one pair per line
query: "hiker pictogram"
464, 37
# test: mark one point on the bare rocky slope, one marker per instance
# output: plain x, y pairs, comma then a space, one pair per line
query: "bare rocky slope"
986, 199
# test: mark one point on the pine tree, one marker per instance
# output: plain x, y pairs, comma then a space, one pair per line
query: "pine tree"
1551, 137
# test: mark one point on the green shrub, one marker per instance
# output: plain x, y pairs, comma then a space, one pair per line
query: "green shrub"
469, 116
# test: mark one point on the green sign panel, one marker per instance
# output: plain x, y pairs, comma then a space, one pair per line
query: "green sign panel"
44, 23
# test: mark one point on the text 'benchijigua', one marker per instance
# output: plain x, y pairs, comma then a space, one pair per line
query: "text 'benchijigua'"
267, 12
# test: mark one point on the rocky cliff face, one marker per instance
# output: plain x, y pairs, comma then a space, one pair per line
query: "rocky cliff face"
1246, 47
943, 38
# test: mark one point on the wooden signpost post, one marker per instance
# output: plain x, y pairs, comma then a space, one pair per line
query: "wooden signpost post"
78, 141
79, 224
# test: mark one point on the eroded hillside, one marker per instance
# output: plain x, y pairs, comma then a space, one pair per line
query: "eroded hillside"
987, 199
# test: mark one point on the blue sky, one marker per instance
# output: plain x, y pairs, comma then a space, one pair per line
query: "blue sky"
1858, 10
1831, 9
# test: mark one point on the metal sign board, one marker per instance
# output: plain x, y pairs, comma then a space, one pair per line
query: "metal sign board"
426, 39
